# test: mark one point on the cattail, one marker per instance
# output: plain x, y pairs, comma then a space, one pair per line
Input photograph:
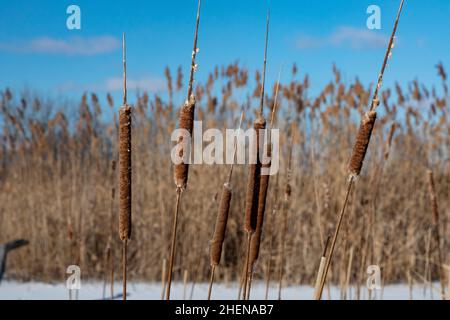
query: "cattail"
360, 147
254, 176
362, 143
264, 186
253, 184
222, 219
181, 170
125, 172
221, 223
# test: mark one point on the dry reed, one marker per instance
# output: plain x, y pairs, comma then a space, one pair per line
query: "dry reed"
437, 237
286, 202
163, 278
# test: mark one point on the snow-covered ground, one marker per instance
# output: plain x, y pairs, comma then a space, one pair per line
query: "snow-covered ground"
11, 290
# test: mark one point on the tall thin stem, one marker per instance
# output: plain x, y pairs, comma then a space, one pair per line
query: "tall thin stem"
194, 53
386, 58
336, 233
124, 268
211, 281
173, 243
124, 62
261, 107
247, 263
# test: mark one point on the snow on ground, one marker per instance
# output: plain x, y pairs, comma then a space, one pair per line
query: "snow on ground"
11, 290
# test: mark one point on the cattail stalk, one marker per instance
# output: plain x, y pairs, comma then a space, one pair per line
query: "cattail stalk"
186, 121
262, 197
185, 281
222, 219
321, 270
437, 237
125, 174
361, 145
254, 176
163, 278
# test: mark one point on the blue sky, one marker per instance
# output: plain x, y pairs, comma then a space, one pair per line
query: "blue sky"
38, 52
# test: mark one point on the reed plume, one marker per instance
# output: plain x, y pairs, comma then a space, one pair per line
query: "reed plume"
181, 171
360, 147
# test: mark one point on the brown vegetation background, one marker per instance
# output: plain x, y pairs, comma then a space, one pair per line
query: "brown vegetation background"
56, 179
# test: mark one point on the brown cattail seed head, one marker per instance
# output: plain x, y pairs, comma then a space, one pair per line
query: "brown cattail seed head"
254, 174
221, 225
186, 122
362, 143
433, 197
263, 187
125, 172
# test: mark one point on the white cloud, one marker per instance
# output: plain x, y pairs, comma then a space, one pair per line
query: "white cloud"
145, 83
113, 84
345, 37
84, 46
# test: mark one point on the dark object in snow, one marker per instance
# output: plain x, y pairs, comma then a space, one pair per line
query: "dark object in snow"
7, 248
118, 296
